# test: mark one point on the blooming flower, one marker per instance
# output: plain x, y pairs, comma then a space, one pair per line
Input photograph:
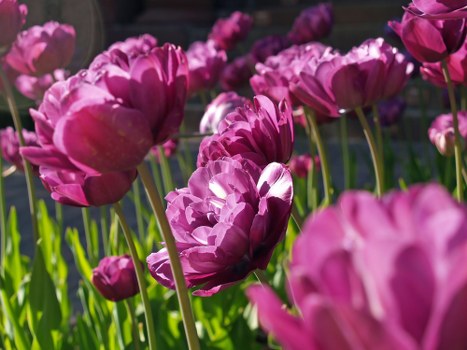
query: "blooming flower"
34, 87
430, 40
115, 278
313, 24
443, 9
441, 132
9, 145
218, 109
268, 46
40, 50
236, 74
12, 18
226, 224
135, 46
375, 274
205, 63
263, 134
227, 32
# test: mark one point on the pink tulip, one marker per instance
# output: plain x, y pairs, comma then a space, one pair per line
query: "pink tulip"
34, 87
313, 24
268, 46
9, 145
301, 165
219, 108
236, 74
205, 63
441, 132
227, 32
442, 9
226, 224
12, 19
430, 40
135, 46
375, 274
115, 278
263, 134
40, 50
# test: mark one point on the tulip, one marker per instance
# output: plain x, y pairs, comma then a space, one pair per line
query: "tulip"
313, 24
236, 74
457, 65
441, 132
205, 63
135, 46
442, 9
12, 19
115, 278
226, 224
227, 32
34, 87
263, 134
218, 109
169, 147
42, 49
268, 46
390, 111
9, 145
375, 274
430, 40
301, 165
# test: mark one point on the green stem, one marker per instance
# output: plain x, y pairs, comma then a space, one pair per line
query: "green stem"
155, 171
379, 136
175, 265
261, 276
195, 135
139, 210
313, 125
345, 150
3, 215
139, 276
373, 150
87, 234
27, 166
104, 229
166, 173
59, 216
296, 216
134, 323
457, 135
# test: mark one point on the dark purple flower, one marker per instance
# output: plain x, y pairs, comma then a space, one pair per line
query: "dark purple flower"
226, 224
375, 274
34, 87
115, 278
268, 46
441, 132
262, 134
9, 145
12, 19
227, 32
205, 63
40, 50
313, 24
390, 111
236, 74
218, 109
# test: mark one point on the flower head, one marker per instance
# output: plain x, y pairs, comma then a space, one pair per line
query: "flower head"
9, 145
12, 19
301, 165
441, 132
268, 46
236, 74
34, 87
227, 32
313, 24
442, 9
135, 46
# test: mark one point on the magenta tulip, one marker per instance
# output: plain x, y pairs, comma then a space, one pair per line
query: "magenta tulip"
135, 46
441, 132
205, 63
313, 24
263, 134
236, 74
34, 87
226, 224
218, 109
227, 32
9, 145
430, 40
268, 46
40, 50
442, 9
115, 278
375, 274
12, 19
301, 165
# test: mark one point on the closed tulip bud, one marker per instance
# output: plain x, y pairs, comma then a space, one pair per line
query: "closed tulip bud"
10, 147
441, 132
40, 50
227, 32
12, 19
313, 24
115, 278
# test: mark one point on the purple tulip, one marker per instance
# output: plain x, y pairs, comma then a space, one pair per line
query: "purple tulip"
169, 147
218, 109
205, 63
135, 46
263, 134
42, 49
227, 32
375, 274
236, 74
226, 224
313, 24
442, 9
390, 111
9, 145
457, 65
268, 46
430, 40
34, 87
115, 278
441, 132
301, 165
12, 19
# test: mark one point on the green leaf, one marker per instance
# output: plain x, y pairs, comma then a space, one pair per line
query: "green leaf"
82, 263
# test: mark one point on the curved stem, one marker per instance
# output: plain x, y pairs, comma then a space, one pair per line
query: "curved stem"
139, 209
88, 234
379, 137
139, 276
104, 229
457, 135
296, 216
374, 151
27, 166
261, 276
313, 125
134, 323
175, 265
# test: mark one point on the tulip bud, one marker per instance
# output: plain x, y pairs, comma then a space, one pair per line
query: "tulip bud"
441, 132
227, 32
12, 18
312, 24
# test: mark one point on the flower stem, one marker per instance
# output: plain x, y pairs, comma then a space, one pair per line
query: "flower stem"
27, 166
261, 276
88, 234
139, 276
59, 216
104, 229
313, 125
457, 135
296, 216
166, 173
139, 209
175, 265
155, 171
379, 137
3, 215
345, 151
373, 150
134, 323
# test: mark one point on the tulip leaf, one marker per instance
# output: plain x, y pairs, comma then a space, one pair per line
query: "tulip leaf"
84, 267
